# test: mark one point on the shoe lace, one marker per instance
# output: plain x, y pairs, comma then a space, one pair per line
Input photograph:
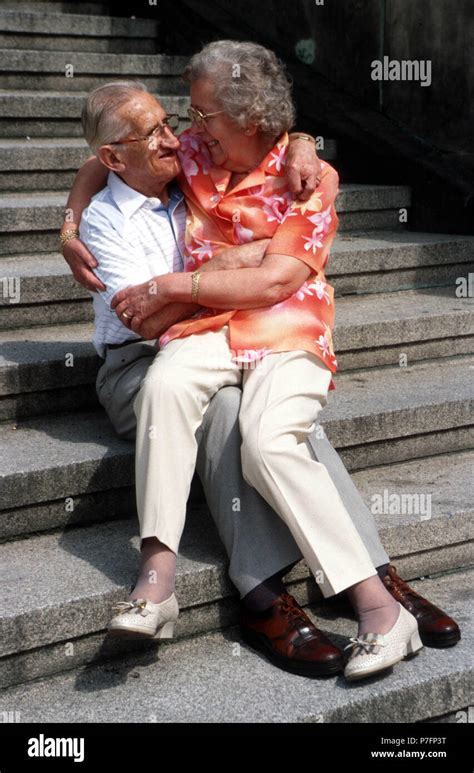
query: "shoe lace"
128, 606
366, 644
400, 588
294, 612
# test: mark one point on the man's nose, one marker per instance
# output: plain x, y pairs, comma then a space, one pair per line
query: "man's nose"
169, 140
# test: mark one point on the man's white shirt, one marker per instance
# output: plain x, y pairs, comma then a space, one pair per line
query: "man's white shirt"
133, 238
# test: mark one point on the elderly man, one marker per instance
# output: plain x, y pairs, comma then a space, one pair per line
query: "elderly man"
134, 228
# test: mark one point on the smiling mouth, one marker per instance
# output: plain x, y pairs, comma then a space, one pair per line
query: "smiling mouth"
212, 144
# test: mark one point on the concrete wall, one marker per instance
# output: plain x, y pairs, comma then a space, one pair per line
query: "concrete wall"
341, 38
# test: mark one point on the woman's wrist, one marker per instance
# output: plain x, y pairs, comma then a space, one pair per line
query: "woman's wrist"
176, 287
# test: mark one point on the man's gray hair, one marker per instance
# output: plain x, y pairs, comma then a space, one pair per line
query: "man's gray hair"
100, 121
251, 84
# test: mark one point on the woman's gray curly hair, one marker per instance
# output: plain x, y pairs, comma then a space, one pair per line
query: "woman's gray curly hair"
251, 84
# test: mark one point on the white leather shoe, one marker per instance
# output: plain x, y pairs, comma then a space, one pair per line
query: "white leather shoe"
374, 652
145, 619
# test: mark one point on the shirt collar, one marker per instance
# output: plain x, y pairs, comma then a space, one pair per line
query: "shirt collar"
128, 200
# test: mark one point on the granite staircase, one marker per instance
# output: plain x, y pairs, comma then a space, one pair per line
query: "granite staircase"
401, 418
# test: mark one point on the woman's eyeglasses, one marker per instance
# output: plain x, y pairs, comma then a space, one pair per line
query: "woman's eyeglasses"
200, 118
170, 121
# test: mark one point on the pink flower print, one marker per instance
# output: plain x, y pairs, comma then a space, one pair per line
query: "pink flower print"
279, 159
303, 292
204, 159
243, 235
321, 220
324, 344
275, 207
203, 250
190, 142
189, 166
319, 288
313, 241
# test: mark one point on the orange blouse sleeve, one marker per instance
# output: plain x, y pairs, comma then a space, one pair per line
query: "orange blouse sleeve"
309, 227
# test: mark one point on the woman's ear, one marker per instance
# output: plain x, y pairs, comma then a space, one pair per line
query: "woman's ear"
109, 158
250, 131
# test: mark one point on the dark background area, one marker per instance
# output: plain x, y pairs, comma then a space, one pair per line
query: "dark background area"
389, 131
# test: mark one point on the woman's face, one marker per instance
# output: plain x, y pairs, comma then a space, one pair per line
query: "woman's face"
230, 146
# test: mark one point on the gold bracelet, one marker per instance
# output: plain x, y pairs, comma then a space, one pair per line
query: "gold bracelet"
67, 235
195, 285
298, 136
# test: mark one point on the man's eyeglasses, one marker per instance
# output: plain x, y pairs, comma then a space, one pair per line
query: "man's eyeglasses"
170, 121
200, 118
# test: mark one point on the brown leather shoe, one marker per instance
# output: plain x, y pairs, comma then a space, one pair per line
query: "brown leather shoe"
288, 638
435, 627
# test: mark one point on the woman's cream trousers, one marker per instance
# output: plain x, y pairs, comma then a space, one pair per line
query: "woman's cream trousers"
282, 396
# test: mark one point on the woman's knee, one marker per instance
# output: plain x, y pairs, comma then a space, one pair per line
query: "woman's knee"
255, 453
264, 450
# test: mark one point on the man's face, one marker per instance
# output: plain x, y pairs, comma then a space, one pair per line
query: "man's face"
147, 160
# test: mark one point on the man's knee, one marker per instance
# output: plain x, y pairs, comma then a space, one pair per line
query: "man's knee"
223, 410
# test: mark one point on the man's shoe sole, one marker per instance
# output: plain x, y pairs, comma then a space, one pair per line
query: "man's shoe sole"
260, 643
439, 641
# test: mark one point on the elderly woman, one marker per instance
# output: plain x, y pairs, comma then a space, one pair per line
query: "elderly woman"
268, 329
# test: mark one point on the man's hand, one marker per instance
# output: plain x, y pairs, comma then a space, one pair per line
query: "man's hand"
82, 262
303, 168
134, 304
157, 324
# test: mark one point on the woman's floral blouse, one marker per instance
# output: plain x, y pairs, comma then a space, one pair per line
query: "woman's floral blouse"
260, 207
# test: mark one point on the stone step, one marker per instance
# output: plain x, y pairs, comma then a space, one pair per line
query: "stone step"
41, 368
377, 416
59, 6
69, 71
53, 30
52, 114
385, 261
51, 625
29, 222
51, 164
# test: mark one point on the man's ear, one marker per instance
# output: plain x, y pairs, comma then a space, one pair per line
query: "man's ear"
108, 157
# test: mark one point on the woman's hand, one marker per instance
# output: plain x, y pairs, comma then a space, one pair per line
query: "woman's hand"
135, 304
82, 262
